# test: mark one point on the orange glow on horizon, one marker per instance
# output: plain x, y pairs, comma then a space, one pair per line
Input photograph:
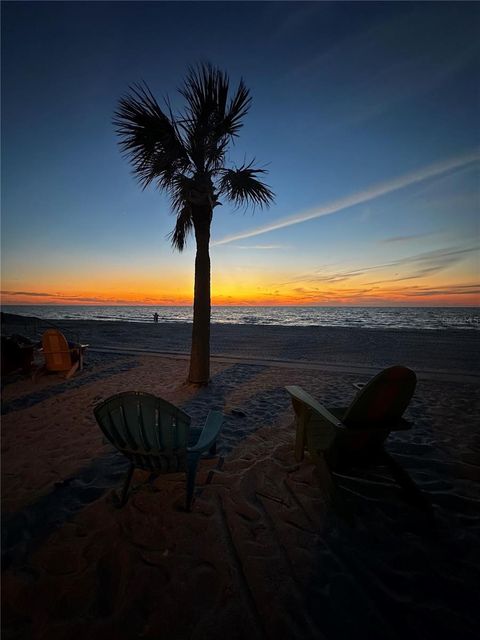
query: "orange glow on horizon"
246, 285
418, 295
434, 277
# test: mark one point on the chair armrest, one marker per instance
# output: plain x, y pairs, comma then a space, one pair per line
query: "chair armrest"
302, 396
76, 346
359, 385
209, 434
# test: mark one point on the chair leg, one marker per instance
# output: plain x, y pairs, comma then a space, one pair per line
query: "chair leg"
38, 372
191, 473
72, 371
126, 486
405, 481
300, 438
334, 497
324, 473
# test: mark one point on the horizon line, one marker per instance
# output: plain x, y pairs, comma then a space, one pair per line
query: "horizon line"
368, 306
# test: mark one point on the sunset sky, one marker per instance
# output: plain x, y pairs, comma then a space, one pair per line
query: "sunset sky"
366, 116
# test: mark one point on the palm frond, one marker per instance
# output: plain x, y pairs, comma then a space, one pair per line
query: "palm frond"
183, 227
205, 90
185, 155
210, 122
228, 127
180, 191
149, 138
237, 109
242, 187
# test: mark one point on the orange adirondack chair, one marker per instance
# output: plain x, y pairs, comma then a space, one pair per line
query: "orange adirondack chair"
59, 355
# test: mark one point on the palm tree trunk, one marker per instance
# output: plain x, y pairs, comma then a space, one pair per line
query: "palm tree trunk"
200, 355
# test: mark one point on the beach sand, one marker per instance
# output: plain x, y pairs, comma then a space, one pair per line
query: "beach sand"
266, 552
455, 351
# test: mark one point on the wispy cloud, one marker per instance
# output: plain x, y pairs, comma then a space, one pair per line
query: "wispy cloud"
388, 63
397, 239
331, 278
366, 195
25, 293
415, 266
60, 298
426, 264
260, 247
374, 295
451, 290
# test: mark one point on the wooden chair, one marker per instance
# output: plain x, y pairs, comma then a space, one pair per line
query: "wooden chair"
60, 355
346, 437
153, 435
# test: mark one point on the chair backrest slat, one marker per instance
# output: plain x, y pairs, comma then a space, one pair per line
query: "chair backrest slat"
152, 432
157, 433
110, 427
145, 418
129, 412
383, 400
56, 351
165, 429
119, 420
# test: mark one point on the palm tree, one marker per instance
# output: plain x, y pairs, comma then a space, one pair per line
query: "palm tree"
185, 156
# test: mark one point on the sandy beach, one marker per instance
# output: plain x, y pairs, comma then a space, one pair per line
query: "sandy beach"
454, 351
265, 553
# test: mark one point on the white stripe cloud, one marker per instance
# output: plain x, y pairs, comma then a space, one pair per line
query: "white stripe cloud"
360, 197
260, 246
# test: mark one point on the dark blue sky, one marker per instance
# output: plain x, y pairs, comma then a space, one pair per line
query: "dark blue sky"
346, 96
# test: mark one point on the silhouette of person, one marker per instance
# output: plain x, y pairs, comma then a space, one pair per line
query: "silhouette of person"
155, 317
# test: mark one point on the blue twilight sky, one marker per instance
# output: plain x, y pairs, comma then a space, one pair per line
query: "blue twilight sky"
367, 112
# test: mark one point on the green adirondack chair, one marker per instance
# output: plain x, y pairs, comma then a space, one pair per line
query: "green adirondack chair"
153, 435
346, 437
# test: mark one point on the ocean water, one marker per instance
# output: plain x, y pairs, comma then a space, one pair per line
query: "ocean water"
363, 317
